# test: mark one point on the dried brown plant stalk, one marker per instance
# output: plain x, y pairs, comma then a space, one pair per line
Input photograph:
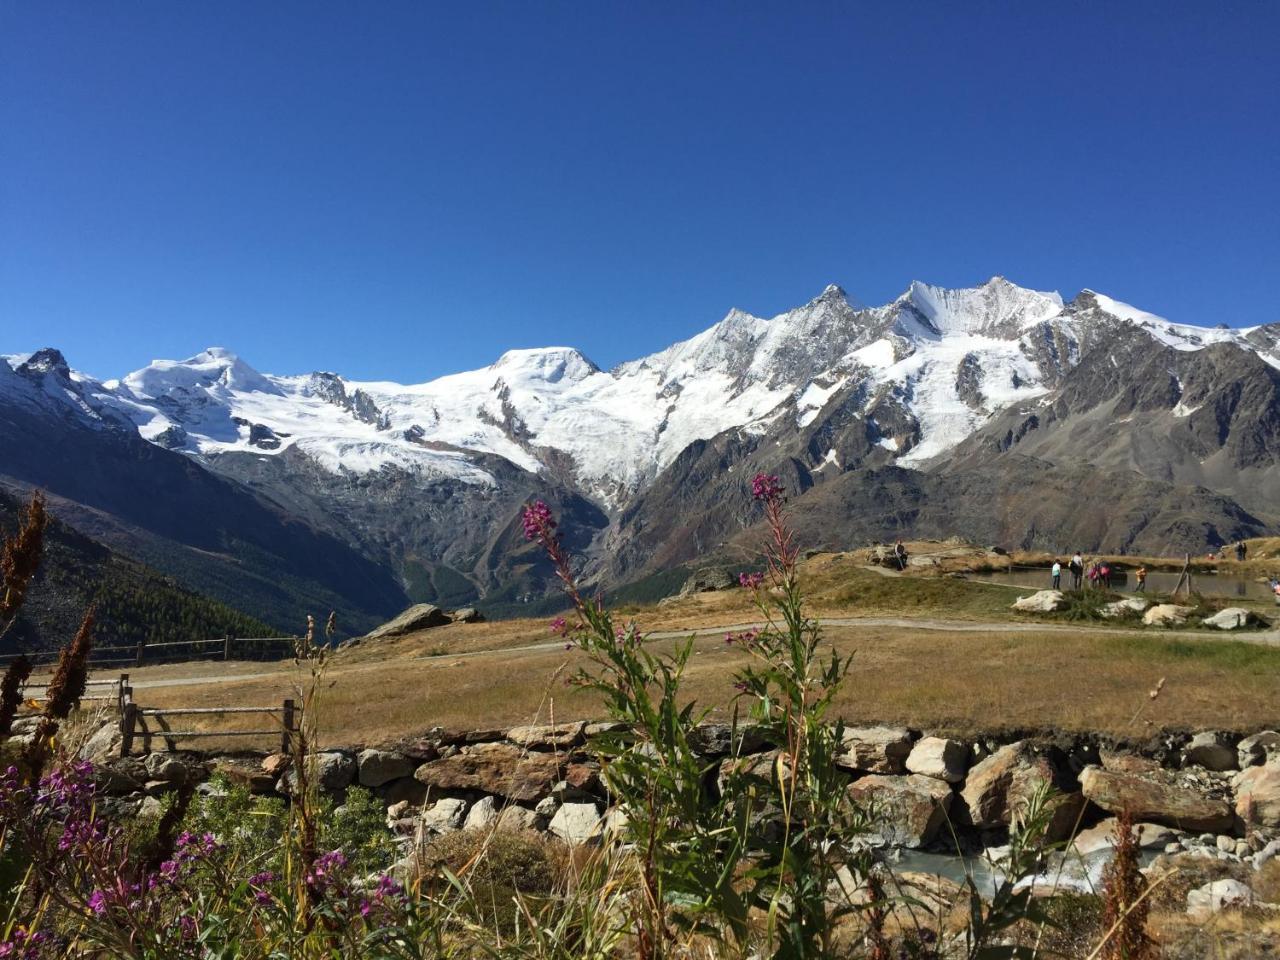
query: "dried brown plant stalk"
1124, 899
15, 678
20, 558
64, 692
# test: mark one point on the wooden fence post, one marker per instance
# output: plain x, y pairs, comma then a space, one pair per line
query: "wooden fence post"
226, 647
142, 650
127, 722
287, 720
120, 691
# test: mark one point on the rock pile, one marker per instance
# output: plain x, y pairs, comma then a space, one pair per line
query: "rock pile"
1213, 794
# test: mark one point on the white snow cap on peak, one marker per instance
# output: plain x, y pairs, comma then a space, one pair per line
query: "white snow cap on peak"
215, 368
550, 364
996, 303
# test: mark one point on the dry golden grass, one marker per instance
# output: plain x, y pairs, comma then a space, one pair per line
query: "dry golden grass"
960, 682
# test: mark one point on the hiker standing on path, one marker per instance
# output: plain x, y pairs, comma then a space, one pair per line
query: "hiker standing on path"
900, 555
1076, 566
1057, 574
1241, 552
1141, 575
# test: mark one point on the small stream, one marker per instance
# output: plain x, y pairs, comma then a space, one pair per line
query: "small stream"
1158, 581
1066, 870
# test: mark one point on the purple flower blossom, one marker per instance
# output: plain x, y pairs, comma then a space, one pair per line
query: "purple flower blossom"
750, 581
740, 686
538, 522
97, 902
767, 488
746, 636
559, 627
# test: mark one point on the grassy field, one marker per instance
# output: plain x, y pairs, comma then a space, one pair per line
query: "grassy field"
951, 661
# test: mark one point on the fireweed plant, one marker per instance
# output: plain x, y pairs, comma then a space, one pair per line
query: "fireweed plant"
770, 840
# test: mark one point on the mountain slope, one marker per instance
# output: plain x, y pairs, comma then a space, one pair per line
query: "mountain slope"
416, 489
133, 602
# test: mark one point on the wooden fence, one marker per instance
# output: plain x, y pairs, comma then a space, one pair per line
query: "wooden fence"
136, 722
94, 690
222, 648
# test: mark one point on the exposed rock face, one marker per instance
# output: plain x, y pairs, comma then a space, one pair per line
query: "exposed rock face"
497, 768
1042, 601
939, 758
1166, 615
876, 749
907, 811
332, 770
418, 617
482, 815
1147, 798
1258, 796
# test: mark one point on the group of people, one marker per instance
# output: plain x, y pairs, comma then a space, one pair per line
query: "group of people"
1099, 574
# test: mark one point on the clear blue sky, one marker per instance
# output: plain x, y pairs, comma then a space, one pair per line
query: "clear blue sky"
401, 190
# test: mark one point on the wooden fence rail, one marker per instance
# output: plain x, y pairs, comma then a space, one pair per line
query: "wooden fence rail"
133, 723
139, 653
36, 690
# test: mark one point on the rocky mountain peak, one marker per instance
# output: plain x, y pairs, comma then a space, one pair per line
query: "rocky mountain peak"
46, 361
215, 369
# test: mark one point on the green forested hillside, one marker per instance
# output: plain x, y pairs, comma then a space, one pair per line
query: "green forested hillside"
134, 602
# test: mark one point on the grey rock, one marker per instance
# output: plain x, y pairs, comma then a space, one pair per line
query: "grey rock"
576, 823
548, 736
1204, 902
445, 816
1212, 750
1122, 608
707, 580
482, 815
1231, 618
468, 615
905, 811
418, 617
939, 758
875, 749
379, 767
1166, 615
520, 818
1257, 749
1042, 601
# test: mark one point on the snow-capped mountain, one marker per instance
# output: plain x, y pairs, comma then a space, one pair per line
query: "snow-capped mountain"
647, 460
947, 359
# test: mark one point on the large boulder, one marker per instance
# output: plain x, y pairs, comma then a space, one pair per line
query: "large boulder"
707, 580
999, 787
497, 768
939, 758
1166, 615
576, 823
1212, 750
1259, 748
1231, 618
905, 811
1152, 798
468, 615
418, 617
1258, 796
482, 815
875, 749
379, 767
1042, 601
548, 736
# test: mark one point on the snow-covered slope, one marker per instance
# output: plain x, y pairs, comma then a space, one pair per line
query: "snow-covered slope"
949, 359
